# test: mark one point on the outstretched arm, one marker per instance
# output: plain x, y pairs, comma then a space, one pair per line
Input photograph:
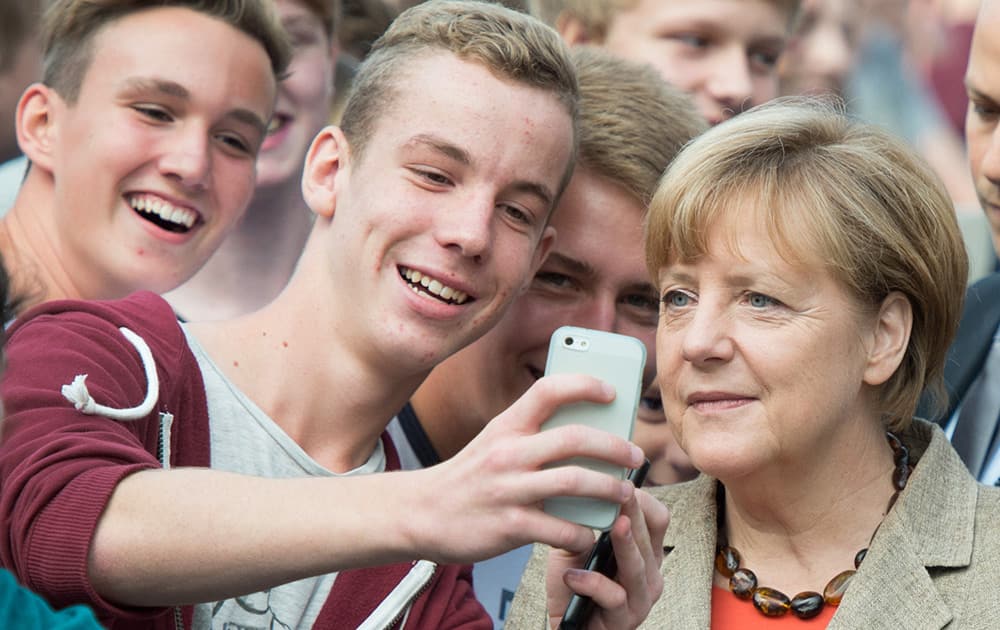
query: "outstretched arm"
184, 535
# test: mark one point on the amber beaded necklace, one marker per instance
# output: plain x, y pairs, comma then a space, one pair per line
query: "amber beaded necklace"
806, 605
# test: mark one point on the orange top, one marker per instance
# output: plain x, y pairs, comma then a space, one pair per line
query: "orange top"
732, 613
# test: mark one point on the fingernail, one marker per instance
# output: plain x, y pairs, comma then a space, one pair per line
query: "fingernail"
627, 491
609, 389
637, 456
574, 575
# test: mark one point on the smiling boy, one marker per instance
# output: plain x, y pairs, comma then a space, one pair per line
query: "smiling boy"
431, 205
142, 156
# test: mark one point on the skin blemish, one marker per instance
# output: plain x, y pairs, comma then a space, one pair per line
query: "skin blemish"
236, 364
284, 344
140, 252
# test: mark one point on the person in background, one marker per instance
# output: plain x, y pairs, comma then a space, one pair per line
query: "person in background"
822, 53
631, 126
267, 241
20, 65
811, 273
724, 53
244, 480
972, 373
139, 166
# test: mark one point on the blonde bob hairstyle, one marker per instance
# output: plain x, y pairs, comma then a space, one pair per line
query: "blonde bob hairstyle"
831, 191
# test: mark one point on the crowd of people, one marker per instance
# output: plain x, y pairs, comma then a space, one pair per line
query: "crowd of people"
279, 277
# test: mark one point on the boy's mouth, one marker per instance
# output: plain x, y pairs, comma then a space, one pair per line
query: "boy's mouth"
163, 214
426, 285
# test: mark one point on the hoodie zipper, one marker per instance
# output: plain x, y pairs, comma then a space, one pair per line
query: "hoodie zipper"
412, 586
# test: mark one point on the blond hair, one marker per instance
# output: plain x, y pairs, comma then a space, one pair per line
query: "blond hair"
511, 45
69, 27
834, 190
596, 16
632, 123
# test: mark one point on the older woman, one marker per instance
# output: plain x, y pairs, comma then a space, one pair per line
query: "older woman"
811, 273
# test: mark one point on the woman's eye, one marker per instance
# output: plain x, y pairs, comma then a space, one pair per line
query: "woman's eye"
676, 299
759, 300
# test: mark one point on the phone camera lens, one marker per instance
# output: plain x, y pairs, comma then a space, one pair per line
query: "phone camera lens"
568, 341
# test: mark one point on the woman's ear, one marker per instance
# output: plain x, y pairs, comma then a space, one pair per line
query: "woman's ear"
891, 338
36, 124
327, 157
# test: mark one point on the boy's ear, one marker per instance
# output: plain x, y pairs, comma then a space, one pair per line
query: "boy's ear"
37, 123
327, 157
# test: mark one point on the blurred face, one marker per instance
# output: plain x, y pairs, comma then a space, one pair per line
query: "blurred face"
594, 277
760, 362
821, 53
304, 96
25, 68
155, 161
722, 52
442, 219
668, 462
982, 81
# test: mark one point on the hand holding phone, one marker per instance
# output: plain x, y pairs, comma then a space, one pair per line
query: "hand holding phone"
615, 359
602, 560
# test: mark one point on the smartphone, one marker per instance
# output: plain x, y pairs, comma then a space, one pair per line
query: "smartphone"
618, 360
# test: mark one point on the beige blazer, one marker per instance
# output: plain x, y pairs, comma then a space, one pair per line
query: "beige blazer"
935, 562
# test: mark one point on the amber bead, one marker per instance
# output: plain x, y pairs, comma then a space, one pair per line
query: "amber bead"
901, 475
771, 602
860, 557
807, 605
742, 583
727, 561
834, 591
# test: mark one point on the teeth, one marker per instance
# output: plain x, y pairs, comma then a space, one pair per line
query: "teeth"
164, 210
434, 287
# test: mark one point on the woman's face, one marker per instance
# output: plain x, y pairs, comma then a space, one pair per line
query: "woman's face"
304, 97
759, 361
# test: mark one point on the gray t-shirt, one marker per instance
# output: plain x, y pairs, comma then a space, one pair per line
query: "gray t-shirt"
246, 441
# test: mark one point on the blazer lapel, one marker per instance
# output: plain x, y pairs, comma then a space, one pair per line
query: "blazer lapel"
686, 602
967, 353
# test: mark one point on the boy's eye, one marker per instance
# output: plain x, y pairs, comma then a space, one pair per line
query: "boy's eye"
154, 113
554, 279
235, 142
517, 214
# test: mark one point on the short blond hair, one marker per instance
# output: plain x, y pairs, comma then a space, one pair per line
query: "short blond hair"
632, 123
834, 190
69, 27
511, 45
596, 16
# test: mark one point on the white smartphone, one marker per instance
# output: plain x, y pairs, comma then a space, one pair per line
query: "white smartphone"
615, 359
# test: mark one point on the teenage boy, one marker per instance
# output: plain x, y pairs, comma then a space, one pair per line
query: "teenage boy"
432, 203
631, 126
723, 52
142, 138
